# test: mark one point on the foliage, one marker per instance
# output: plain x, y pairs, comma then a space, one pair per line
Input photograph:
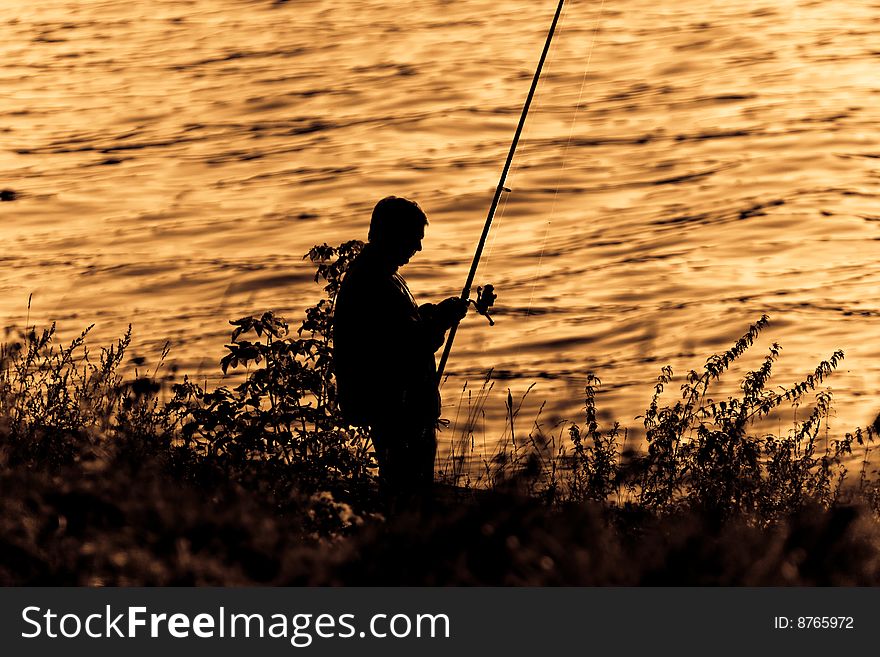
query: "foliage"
703, 456
704, 453
285, 410
58, 405
523, 461
595, 460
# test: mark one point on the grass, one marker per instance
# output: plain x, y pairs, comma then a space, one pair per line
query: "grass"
116, 473
703, 455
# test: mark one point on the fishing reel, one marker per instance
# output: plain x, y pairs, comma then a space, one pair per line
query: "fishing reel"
485, 300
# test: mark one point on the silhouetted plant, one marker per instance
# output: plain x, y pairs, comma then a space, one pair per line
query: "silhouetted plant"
55, 402
285, 410
702, 455
470, 412
527, 460
595, 459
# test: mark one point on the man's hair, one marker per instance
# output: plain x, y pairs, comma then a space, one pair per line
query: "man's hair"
394, 215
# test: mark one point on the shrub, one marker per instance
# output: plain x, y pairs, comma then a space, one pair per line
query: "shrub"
285, 410
703, 454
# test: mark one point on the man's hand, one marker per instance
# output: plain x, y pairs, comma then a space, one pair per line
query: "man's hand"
452, 310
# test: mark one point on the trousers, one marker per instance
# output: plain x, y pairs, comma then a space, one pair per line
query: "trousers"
405, 451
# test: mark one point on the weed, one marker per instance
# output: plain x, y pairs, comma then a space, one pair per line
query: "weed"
285, 411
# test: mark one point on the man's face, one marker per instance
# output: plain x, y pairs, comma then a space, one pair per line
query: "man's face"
409, 244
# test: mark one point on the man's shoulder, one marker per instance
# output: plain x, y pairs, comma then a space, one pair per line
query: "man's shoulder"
369, 271
365, 283
365, 266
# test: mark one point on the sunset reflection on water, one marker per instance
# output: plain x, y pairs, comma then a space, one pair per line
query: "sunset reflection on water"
174, 160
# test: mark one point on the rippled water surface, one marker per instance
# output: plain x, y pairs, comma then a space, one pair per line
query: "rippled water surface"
687, 166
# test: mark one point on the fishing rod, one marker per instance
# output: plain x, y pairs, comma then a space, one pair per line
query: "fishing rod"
466, 291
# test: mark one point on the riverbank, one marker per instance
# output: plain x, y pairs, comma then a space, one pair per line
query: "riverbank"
116, 472
137, 522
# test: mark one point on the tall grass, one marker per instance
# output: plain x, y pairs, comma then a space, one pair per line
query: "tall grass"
703, 454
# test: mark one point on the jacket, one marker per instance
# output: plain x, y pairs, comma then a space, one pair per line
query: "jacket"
384, 346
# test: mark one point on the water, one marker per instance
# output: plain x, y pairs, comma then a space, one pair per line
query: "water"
687, 167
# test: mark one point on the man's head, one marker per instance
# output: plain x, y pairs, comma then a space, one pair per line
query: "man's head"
397, 229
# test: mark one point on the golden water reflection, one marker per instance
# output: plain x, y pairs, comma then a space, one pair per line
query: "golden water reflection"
175, 159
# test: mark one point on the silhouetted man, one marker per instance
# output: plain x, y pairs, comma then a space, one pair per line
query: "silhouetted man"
384, 348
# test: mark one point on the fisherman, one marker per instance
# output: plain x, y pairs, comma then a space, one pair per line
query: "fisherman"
384, 346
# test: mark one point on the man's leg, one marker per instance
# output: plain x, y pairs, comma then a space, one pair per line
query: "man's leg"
405, 451
423, 457
389, 440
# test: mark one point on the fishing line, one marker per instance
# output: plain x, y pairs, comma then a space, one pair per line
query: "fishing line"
571, 131
546, 238
519, 348
564, 157
499, 221
503, 190
499, 192
500, 189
